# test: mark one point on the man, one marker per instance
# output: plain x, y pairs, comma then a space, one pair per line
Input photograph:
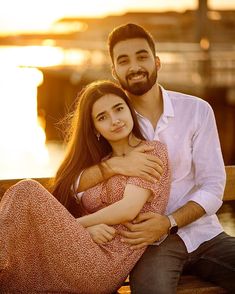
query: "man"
186, 124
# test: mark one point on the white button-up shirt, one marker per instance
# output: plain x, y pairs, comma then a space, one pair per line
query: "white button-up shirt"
188, 128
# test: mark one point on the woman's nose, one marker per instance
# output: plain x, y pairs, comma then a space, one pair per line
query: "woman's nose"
116, 122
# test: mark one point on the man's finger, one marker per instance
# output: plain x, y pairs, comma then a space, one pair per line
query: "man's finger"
144, 148
142, 217
137, 228
154, 159
139, 246
137, 241
129, 235
147, 177
128, 226
149, 171
133, 229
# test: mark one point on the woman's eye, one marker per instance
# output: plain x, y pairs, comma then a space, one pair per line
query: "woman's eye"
101, 118
120, 108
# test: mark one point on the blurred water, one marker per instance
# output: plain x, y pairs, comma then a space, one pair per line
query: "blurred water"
28, 166
226, 216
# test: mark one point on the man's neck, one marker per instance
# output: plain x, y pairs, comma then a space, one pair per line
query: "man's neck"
150, 105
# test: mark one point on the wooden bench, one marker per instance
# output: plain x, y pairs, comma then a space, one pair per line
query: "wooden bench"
188, 284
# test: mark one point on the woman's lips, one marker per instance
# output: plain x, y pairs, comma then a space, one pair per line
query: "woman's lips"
118, 129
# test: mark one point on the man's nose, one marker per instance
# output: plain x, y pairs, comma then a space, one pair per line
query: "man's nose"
134, 67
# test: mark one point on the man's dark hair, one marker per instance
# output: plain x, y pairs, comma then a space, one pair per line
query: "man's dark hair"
129, 31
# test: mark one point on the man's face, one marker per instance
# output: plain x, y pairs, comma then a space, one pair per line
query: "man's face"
134, 66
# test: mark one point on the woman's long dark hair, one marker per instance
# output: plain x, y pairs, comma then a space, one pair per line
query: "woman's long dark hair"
83, 148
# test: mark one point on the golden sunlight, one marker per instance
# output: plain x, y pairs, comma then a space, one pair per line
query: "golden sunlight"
23, 138
31, 16
23, 150
41, 56
33, 56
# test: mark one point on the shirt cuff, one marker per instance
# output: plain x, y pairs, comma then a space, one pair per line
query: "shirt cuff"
207, 200
74, 188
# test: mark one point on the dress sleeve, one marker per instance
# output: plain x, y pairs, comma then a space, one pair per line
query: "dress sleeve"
161, 188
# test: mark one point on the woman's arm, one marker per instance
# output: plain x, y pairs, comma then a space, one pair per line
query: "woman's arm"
124, 210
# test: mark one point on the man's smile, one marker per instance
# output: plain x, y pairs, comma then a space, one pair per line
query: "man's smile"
136, 77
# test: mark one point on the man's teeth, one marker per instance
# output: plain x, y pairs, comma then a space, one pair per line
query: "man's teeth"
137, 77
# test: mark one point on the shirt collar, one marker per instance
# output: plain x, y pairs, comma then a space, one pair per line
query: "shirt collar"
168, 110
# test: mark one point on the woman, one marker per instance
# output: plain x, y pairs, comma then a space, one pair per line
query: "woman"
43, 247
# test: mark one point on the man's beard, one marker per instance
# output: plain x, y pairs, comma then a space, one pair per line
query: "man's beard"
140, 88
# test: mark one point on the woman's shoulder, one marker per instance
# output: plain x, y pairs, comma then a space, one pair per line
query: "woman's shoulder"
160, 149
155, 143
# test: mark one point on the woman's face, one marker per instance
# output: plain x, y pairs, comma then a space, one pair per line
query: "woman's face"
112, 118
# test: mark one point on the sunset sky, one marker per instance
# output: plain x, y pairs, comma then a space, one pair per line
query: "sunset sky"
30, 15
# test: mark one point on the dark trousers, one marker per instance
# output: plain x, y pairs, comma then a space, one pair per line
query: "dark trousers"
160, 267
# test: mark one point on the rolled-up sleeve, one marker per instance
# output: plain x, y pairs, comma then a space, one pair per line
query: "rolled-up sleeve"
207, 200
210, 176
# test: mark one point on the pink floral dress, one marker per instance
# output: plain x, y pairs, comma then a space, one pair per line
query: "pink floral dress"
43, 249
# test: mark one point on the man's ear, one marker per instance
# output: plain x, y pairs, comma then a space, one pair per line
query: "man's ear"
114, 74
158, 63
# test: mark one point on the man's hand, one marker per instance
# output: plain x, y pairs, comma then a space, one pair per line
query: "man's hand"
101, 233
138, 164
146, 229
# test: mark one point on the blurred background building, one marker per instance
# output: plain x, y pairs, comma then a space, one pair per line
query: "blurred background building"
196, 47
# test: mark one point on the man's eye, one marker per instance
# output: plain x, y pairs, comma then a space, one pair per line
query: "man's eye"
142, 57
122, 61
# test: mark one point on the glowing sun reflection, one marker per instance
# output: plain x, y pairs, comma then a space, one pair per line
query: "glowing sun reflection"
23, 152
22, 146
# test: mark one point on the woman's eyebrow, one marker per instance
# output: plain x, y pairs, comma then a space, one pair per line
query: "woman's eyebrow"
113, 107
118, 104
99, 114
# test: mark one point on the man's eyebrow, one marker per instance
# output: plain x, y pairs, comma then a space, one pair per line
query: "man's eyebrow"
138, 52
142, 51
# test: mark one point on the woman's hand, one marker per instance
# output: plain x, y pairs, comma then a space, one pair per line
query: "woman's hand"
101, 233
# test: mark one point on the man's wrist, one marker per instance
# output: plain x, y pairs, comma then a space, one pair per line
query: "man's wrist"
173, 228
114, 166
105, 170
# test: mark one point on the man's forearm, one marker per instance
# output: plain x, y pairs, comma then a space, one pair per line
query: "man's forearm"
188, 213
94, 175
146, 166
